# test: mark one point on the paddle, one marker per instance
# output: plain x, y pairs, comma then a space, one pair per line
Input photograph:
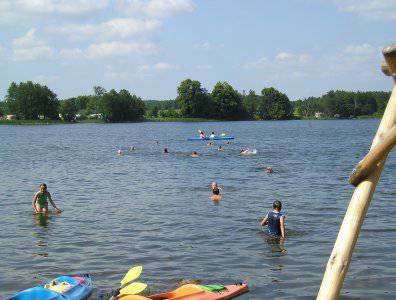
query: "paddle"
128, 287
133, 289
132, 274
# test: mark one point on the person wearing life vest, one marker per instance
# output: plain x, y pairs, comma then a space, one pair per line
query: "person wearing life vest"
275, 221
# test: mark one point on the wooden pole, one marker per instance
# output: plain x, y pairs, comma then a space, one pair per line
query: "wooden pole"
340, 257
370, 161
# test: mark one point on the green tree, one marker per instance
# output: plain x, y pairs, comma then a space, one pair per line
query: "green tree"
28, 100
227, 102
274, 105
250, 103
68, 110
193, 99
121, 107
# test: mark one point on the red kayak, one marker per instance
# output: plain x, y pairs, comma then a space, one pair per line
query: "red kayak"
196, 292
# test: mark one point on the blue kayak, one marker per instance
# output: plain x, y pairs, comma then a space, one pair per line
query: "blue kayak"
61, 288
216, 138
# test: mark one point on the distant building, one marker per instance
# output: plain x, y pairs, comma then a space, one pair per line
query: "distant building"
318, 115
10, 117
95, 116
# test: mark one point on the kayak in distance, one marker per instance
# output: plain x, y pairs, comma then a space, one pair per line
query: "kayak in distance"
61, 288
196, 292
216, 138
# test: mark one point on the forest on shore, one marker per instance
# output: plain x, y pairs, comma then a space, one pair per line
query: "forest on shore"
32, 101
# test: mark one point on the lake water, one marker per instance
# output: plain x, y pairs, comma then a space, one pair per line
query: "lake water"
152, 209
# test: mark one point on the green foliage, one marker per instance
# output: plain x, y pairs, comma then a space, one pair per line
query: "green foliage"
192, 99
68, 110
227, 102
28, 100
274, 105
121, 107
251, 102
343, 103
2, 108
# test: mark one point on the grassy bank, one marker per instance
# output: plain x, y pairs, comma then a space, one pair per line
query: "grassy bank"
45, 122
150, 119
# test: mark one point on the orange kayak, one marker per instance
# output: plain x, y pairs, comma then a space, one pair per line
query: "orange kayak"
196, 292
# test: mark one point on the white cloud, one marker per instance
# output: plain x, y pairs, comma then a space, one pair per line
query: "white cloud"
12, 10
115, 75
74, 53
120, 28
117, 48
369, 9
156, 8
363, 49
258, 63
161, 66
204, 67
33, 53
28, 40
29, 47
291, 58
207, 46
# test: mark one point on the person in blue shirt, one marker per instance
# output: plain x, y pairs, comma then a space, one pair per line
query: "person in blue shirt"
275, 221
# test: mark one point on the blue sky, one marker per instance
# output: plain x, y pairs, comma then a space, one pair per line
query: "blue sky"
301, 47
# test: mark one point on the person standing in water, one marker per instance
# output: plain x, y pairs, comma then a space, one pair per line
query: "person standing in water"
41, 198
216, 192
275, 221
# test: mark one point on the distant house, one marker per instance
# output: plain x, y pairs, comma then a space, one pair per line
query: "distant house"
318, 115
95, 116
10, 117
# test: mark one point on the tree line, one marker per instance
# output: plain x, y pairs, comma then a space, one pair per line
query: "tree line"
32, 101
28, 100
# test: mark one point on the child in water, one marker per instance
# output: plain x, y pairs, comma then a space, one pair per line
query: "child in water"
40, 200
275, 221
216, 192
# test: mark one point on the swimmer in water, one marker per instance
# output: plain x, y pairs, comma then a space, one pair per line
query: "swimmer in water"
216, 192
247, 151
194, 154
212, 135
269, 170
119, 152
132, 148
166, 150
40, 200
209, 144
220, 148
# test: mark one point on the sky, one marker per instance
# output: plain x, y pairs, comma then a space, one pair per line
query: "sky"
301, 47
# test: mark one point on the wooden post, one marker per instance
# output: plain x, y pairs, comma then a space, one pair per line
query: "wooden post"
340, 257
370, 161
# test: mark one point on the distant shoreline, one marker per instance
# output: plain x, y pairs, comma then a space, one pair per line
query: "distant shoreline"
159, 120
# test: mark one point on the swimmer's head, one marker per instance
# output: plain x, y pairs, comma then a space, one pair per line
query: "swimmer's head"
43, 187
214, 184
277, 205
269, 170
165, 150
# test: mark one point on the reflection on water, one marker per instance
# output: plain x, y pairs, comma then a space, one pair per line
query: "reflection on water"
276, 244
40, 234
41, 220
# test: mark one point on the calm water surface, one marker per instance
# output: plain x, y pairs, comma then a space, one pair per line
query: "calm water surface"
152, 209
